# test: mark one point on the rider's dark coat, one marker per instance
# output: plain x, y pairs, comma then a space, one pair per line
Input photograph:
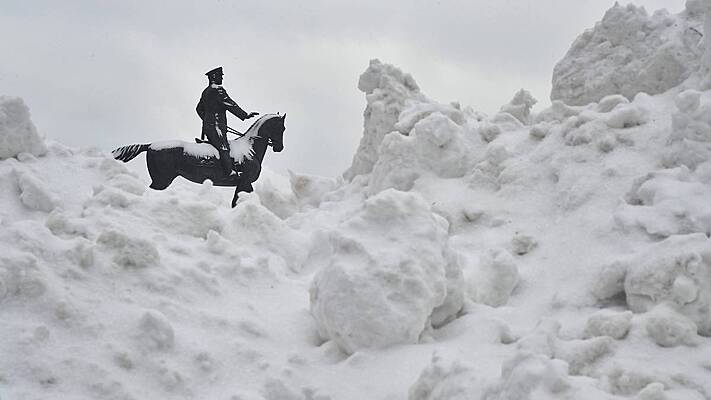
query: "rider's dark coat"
212, 109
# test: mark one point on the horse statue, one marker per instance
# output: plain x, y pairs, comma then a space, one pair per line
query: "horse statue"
199, 161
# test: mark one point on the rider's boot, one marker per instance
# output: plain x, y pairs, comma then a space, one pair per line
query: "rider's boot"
226, 162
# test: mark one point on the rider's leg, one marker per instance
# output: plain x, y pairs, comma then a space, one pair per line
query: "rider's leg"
226, 161
220, 143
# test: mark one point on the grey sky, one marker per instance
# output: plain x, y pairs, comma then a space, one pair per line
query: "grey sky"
109, 73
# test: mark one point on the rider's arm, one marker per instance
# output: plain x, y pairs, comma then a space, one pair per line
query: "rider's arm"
231, 106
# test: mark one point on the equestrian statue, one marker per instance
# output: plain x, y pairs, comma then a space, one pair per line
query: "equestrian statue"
225, 162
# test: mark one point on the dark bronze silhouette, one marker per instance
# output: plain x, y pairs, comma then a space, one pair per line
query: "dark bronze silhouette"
212, 109
200, 161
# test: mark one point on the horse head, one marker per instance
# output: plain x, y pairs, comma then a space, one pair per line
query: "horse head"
276, 133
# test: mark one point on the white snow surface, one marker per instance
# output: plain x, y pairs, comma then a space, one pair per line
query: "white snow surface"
562, 254
17, 132
630, 52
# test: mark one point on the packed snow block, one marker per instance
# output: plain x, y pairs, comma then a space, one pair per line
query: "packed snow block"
20, 278
581, 355
388, 275
34, 193
626, 53
416, 112
529, 376
690, 137
155, 331
81, 253
311, 189
667, 328
667, 202
629, 381
625, 116
254, 225
540, 130
608, 323
675, 272
608, 103
445, 381
186, 217
436, 146
584, 133
520, 106
558, 112
128, 183
495, 278
525, 376
17, 132
489, 131
129, 252
278, 200
506, 122
388, 91
112, 168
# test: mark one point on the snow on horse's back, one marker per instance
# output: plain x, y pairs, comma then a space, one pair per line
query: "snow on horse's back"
240, 148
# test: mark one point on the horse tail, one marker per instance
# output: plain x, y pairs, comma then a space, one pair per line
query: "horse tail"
128, 153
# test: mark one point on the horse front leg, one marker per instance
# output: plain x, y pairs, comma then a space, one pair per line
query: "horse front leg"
235, 197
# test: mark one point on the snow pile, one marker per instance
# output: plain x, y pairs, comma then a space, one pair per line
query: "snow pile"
381, 288
629, 52
17, 133
560, 254
387, 90
675, 273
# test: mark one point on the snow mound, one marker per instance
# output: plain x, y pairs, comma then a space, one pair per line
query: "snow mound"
155, 331
690, 138
581, 355
530, 376
387, 91
667, 328
626, 53
495, 279
525, 376
129, 251
442, 381
675, 272
436, 146
520, 106
608, 323
381, 288
17, 132
668, 202
34, 193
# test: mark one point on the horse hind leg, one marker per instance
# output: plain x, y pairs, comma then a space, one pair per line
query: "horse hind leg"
162, 172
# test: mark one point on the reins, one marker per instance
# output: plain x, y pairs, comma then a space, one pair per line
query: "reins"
240, 134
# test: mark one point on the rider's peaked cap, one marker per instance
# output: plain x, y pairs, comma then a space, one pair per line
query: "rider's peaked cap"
216, 71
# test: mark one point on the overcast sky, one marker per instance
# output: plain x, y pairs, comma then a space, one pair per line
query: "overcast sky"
110, 73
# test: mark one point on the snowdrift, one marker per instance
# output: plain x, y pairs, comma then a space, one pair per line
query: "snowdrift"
556, 254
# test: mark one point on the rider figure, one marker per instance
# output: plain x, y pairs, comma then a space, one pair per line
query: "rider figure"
212, 109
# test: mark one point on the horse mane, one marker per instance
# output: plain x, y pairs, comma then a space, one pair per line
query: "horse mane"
241, 148
254, 128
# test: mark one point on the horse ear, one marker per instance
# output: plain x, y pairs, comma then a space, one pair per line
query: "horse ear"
283, 117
